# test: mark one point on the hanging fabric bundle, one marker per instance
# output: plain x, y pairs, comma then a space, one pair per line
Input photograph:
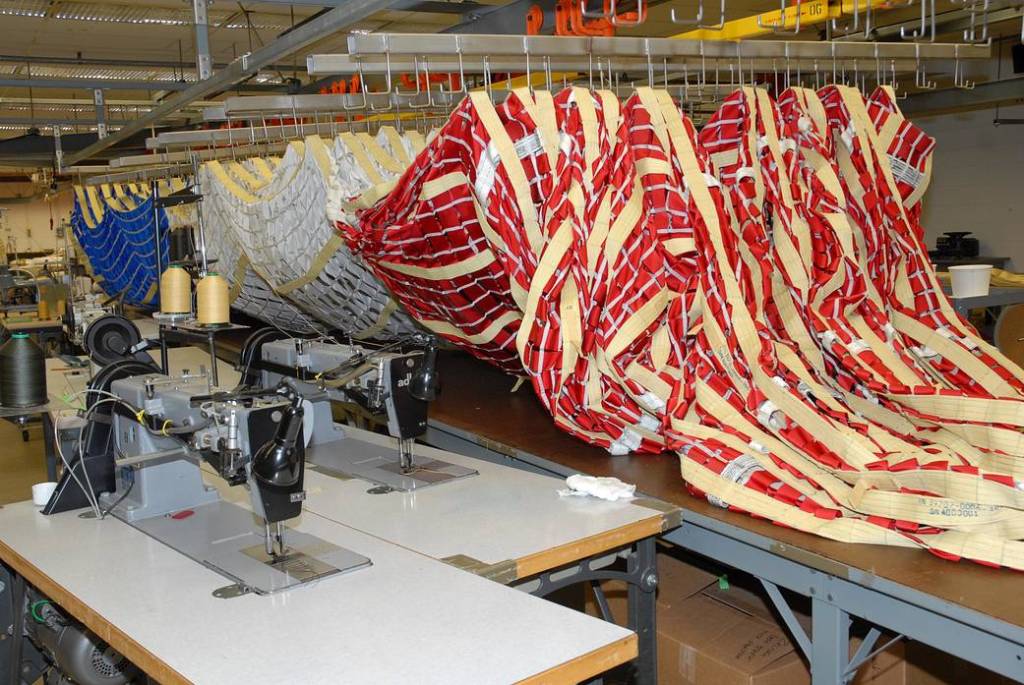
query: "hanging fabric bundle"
117, 231
248, 292
756, 297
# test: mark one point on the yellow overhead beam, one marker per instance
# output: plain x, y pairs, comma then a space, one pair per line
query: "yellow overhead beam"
538, 79
812, 13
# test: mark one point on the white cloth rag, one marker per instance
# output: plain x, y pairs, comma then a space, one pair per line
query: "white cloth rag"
611, 489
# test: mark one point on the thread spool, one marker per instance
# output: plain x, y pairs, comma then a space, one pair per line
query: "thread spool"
212, 305
22, 372
175, 291
43, 309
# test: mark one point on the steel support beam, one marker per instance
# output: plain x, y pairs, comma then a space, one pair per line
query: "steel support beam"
502, 19
950, 22
116, 62
90, 83
427, 6
244, 67
41, 120
101, 113
204, 65
982, 96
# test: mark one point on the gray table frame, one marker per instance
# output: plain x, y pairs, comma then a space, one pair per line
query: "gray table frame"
838, 592
997, 297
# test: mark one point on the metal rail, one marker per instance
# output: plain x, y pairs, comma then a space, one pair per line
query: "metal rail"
419, 45
242, 68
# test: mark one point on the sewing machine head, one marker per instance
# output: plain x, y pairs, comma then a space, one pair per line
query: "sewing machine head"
253, 438
145, 453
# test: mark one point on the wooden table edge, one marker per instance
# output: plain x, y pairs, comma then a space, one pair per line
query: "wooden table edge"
585, 548
104, 629
590, 664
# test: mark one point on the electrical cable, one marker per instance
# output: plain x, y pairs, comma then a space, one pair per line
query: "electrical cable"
122, 498
87, 486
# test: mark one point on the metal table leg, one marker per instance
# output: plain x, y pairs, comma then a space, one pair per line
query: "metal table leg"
830, 643
643, 568
641, 577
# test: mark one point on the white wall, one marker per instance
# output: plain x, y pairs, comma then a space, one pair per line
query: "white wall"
978, 181
28, 222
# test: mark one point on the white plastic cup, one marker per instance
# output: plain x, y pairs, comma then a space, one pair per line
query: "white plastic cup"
41, 493
970, 280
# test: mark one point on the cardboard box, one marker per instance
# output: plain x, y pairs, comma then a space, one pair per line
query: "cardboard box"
728, 633
701, 640
929, 666
730, 637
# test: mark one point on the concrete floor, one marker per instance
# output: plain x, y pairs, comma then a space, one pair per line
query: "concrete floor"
21, 463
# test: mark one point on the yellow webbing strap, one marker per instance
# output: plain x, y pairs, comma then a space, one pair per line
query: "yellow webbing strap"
397, 148
358, 151
513, 167
417, 140
333, 244
380, 324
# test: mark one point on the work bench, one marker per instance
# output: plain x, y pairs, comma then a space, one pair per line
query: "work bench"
971, 611
406, 618
504, 525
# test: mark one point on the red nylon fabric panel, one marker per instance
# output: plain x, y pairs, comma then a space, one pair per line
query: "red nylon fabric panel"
756, 297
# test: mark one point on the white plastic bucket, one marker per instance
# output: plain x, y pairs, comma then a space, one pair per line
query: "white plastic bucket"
41, 493
970, 280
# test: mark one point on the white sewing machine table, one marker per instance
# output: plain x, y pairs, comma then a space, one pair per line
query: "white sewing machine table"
505, 524
405, 619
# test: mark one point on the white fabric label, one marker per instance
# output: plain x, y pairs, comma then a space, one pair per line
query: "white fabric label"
652, 402
627, 442
902, 171
847, 136
528, 146
565, 142
485, 170
868, 395
770, 416
857, 346
648, 422
739, 471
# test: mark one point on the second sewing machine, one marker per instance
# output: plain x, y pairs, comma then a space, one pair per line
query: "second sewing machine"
149, 437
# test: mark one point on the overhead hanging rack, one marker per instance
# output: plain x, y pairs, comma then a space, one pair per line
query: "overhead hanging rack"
239, 147
150, 174
365, 45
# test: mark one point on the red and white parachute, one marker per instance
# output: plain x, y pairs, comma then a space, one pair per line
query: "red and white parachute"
756, 297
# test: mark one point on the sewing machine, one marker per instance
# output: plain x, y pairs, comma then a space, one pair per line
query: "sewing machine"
396, 385
149, 438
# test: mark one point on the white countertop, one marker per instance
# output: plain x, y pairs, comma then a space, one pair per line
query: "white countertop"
406, 619
500, 514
